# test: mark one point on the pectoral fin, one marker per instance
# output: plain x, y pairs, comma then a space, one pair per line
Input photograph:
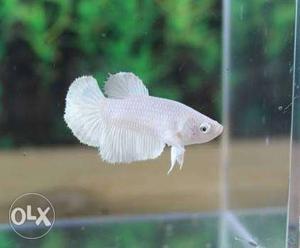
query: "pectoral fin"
177, 155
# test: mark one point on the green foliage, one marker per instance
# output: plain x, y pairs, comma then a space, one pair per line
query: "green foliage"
262, 35
174, 46
152, 233
271, 23
6, 241
6, 142
53, 239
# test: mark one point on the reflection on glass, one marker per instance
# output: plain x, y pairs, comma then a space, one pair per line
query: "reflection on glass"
294, 198
256, 111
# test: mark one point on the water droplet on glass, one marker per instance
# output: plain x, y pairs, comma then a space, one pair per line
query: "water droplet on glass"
252, 243
280, 108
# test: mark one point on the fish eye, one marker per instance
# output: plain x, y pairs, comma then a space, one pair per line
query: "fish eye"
204, 127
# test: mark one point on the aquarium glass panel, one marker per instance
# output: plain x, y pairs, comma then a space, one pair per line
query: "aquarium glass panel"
257, 99
294, 200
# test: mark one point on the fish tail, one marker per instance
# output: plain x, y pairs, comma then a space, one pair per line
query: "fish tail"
83, 110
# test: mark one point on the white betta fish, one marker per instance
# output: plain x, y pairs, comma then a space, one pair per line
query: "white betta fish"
129, 125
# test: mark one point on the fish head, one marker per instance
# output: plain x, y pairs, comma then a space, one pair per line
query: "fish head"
200, 129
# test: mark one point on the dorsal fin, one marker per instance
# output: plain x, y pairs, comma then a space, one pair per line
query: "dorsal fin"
124, 84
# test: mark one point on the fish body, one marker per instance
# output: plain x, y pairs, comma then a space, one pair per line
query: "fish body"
129, 125
158, 115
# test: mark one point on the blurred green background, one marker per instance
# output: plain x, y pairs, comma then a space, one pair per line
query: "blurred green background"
173, 46
197, 232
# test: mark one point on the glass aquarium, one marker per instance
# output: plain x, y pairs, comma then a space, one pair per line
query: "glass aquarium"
293, 238
234, 61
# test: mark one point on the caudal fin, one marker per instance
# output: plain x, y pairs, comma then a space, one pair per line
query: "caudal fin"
83, 110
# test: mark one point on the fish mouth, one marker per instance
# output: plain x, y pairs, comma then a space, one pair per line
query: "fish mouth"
220, 130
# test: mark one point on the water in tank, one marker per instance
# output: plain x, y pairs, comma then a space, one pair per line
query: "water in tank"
234, 61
